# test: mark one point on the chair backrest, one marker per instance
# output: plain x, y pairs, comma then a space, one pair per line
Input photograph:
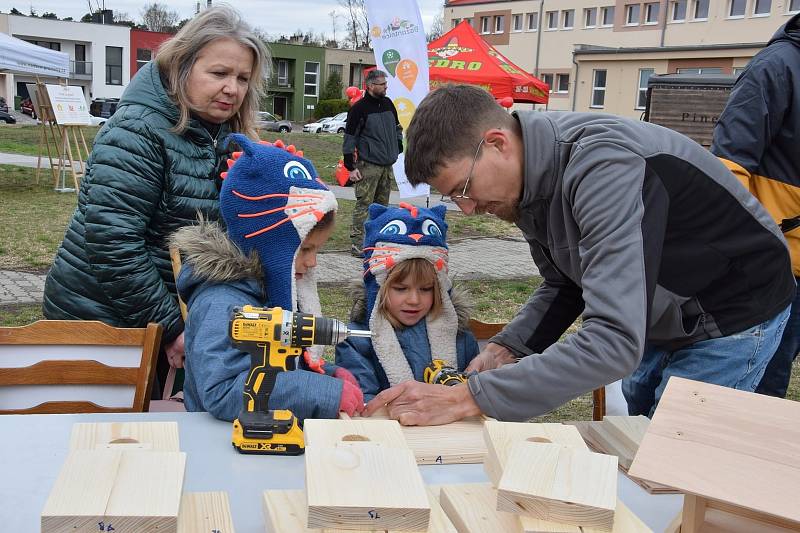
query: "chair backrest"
76, 366
484, 331
175, 259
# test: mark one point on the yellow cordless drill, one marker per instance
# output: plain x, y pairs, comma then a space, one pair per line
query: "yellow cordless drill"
440, 374
274, 338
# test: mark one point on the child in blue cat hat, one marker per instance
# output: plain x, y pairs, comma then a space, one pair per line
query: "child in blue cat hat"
409, 304
277, 215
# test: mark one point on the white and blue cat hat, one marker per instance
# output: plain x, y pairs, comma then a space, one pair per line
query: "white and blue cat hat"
391, 236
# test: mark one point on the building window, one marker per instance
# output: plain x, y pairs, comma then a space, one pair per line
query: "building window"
651, 13
598, 89
484, 24
552, 20
143, 56
455, 22
608, 16
468, 20
562, 83
533, 21
736, 8
700, 70
568, 19
679, 10
283, 73
516, 22
338, 70
81, 65
632, 13
794, 6
762, 7
641, 96
590, 17
499, 24
700, 9
310, 80
113, 65
52, 45
548, 79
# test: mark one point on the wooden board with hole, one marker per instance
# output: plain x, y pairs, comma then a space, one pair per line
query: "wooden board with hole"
205, 512
161, 436
286, 511
560, 484
500, 436
131, 490
584, 429
330, 433
455, 443
364, 485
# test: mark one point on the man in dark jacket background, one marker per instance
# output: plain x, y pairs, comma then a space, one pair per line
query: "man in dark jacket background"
757, 138
372, 141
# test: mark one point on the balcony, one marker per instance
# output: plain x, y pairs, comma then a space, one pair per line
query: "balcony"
80, 70
279, 84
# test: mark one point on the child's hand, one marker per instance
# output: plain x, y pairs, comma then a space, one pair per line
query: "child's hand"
352, 400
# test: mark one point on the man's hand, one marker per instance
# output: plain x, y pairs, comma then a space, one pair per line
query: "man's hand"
421, 404
175, 352
355, 175
493, 356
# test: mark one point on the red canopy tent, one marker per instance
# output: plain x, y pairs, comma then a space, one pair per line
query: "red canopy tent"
462, 56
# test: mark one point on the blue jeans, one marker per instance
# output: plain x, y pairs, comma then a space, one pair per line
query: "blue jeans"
779, 370
737, 361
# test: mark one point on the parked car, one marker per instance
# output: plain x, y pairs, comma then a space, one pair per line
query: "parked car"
26, 106
269, 122
103, 107
316, 127
336, 125
7, 118
97, 121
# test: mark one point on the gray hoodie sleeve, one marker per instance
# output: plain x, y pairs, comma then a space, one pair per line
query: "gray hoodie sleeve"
603, 186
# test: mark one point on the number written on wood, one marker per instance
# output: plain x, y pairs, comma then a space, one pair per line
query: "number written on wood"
102, 526
374, 514
438, 459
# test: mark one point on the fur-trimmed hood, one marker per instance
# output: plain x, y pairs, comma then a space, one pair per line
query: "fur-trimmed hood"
458, 295
212, 255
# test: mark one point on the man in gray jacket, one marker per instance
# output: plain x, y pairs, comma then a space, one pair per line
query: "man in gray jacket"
675, 268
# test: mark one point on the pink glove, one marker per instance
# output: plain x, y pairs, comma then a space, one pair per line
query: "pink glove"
352, 400
317, 366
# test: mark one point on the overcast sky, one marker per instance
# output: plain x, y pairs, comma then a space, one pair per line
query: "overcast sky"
274, 17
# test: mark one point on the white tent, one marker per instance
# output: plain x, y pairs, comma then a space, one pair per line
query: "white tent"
20, 57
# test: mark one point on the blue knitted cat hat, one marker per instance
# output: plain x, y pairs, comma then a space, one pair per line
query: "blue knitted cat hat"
271, 199
391, 236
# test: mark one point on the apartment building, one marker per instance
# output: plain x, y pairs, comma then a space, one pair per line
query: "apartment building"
98, 54
597, 55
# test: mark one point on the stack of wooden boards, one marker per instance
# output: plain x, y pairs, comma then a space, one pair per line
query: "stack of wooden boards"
620, 436
734, 454
361, 476
128, 476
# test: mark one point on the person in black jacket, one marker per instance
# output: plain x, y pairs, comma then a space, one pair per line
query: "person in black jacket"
372, 141
757, 138
154, 166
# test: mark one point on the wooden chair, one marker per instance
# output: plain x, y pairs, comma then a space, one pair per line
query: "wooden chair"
76, 366
484, 331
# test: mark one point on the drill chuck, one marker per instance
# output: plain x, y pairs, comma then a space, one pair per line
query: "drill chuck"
330, 331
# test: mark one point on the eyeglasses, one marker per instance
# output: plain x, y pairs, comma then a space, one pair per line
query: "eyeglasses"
456, 198
373, 83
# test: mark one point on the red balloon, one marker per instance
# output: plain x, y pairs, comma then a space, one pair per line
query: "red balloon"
354, 99
507, 102
351, 91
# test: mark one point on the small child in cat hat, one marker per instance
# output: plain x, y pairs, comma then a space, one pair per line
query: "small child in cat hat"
408, 302
277, 215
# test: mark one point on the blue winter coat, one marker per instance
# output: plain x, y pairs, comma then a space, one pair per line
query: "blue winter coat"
214, 280
357, 355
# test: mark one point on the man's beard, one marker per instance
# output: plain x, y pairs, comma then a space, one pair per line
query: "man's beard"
508, 212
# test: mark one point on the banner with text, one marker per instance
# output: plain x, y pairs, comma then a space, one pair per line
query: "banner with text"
398, 40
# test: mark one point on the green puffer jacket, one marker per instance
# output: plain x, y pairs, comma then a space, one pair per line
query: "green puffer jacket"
143, 183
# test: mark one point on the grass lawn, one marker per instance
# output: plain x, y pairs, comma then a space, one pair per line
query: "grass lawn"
33, 219
24, 139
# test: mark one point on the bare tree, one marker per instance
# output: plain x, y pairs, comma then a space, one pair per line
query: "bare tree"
334, 16
357, 23
156, 17
437, 27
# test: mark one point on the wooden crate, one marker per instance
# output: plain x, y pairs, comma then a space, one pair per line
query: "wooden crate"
125, 490
559, 484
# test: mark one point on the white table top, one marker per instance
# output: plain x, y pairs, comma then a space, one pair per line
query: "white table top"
33, 448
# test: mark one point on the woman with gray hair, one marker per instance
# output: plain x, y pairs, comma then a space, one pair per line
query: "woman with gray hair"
154, 166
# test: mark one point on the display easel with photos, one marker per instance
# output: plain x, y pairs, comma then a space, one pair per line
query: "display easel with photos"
61, 132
